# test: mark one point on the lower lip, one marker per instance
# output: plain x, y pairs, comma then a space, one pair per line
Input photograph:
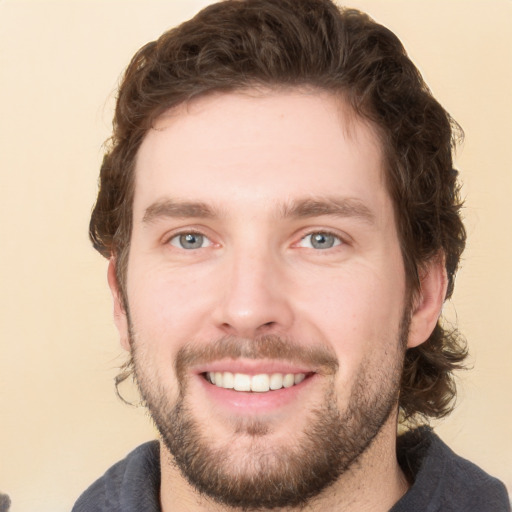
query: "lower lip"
247, 403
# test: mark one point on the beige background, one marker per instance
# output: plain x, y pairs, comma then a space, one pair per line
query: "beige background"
61, 425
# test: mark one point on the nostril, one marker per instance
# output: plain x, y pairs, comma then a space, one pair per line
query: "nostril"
267, 328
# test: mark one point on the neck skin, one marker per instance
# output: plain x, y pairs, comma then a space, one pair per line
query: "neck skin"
374, 483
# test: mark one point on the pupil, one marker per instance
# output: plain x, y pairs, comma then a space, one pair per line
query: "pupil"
191, 241
322, 241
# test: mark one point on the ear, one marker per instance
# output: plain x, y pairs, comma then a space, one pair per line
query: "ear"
428, 301
120, 317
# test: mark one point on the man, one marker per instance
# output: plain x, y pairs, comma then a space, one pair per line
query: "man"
281, 215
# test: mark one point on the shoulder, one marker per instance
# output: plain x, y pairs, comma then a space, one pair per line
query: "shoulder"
131, 484
444, 481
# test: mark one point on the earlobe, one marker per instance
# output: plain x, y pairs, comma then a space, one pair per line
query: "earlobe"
120, 317
429, 299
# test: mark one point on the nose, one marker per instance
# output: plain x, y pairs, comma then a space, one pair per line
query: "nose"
254, 297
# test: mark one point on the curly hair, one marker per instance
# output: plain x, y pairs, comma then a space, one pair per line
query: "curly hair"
240, 44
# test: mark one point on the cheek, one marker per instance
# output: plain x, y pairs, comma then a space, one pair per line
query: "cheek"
161, 320
358, 312
361, 323
167, 305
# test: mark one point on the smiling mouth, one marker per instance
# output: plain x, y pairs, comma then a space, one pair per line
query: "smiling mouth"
261, 383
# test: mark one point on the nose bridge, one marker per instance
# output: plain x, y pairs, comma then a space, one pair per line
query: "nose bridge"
253, 299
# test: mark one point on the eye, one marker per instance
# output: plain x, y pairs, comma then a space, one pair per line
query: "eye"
320, 240
190, 241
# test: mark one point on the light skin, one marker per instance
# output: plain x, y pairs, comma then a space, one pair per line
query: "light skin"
291, 232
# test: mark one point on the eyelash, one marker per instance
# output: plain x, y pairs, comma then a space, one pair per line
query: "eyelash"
339, 240
186, 233
325, 233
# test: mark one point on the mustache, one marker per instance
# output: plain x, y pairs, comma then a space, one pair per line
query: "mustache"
321, 358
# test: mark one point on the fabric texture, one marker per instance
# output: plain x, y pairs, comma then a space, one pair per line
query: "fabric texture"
443, 481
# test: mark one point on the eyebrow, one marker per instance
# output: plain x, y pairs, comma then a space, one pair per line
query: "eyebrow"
297, 208
178, 209
332, 206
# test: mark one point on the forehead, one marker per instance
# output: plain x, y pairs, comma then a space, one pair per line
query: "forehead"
258, 148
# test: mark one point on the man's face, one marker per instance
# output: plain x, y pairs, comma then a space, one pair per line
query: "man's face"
264, 254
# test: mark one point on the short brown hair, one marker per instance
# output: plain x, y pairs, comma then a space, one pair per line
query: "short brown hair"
240, 44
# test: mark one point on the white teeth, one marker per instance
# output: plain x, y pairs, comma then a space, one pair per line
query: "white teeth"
276, 381
228, 380
242, 382
289, 380
299, 377
260, 383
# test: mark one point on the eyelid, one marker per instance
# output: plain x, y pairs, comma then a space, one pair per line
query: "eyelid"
337, 241
186, 230
178, 245
343, 238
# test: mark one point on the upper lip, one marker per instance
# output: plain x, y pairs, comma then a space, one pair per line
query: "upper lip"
253, 367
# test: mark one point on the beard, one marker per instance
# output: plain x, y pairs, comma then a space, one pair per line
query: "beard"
265, 476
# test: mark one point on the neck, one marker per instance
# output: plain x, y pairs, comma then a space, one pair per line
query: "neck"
374, 483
